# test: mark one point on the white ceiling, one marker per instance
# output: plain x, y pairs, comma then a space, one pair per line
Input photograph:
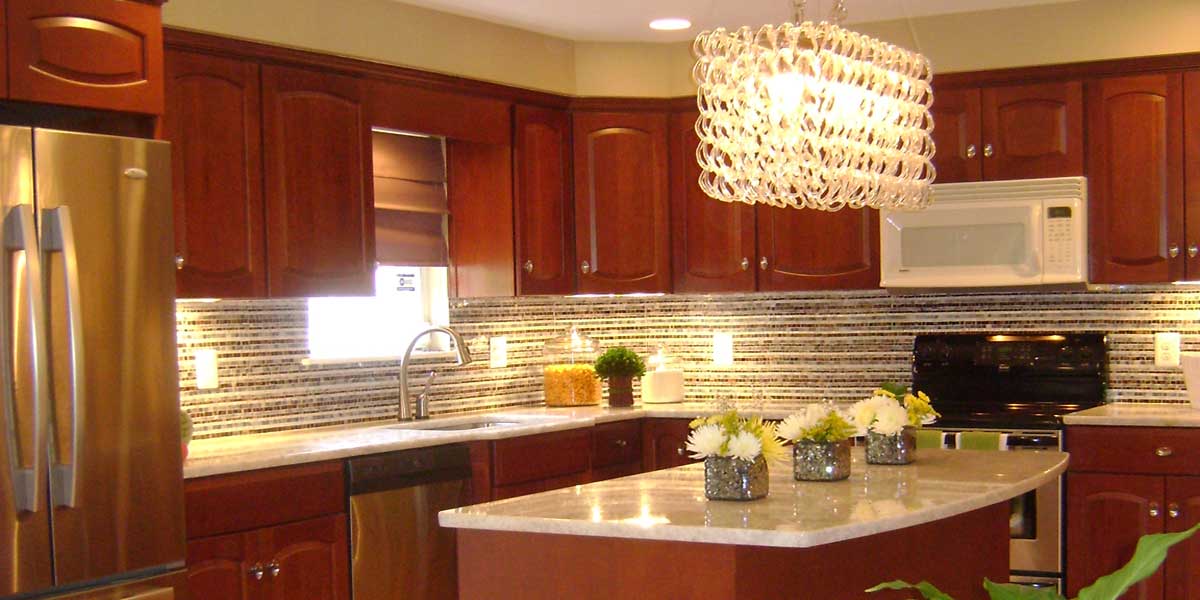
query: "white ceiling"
627, 20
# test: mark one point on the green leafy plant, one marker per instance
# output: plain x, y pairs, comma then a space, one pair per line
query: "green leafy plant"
620, 362
1147, 558
185, 427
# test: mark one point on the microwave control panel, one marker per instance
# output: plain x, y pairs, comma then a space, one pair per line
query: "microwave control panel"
1062, 241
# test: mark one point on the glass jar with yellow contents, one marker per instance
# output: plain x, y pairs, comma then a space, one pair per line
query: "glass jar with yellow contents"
569, 372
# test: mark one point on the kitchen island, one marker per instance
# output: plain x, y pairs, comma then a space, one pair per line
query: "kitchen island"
654, 535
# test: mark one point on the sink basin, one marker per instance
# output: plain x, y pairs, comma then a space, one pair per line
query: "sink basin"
472, 425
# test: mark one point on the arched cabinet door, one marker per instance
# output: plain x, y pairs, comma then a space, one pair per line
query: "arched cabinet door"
622, 232
307, 560
218, 568
1107, 514
1135, 183
320, 205
1032, 131
89, 53
214, 126
805, 249
956, 135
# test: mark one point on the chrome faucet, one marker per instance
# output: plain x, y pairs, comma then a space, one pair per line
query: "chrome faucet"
422, 412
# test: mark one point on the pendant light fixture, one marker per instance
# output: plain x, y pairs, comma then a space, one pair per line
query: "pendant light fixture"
811, 115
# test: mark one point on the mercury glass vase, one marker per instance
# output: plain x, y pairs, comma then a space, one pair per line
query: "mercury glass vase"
727, 478
821, 461
895, 449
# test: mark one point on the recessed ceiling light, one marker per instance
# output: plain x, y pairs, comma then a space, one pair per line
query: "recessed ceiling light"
671, 24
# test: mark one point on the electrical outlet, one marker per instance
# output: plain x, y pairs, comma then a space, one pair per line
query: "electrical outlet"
498, 352
1166, 349
205, 366
722, 355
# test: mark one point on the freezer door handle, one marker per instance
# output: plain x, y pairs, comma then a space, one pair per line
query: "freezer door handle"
58, 236
20, 235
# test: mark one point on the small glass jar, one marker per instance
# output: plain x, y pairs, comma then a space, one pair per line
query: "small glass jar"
569, 374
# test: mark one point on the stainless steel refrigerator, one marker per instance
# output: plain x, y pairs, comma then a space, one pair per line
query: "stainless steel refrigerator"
91, 487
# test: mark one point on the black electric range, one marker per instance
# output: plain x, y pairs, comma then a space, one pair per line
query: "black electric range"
1010, 381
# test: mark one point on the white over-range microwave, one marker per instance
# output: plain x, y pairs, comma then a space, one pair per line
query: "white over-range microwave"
989, 234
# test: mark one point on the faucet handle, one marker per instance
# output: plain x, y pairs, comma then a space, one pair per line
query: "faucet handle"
428, 383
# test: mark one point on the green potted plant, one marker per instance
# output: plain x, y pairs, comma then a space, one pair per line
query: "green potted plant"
185, 431
619, 366
1149, 555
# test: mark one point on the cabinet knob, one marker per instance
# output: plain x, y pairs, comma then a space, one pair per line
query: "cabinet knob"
681, 451
1163, 451
273, 569
257, 571
988, 150
971, 151
528, 266
586, 267
1193, 250
1173, 510
763, 263
620, 443
1173, 250
179, 262
745, 263
1153, 509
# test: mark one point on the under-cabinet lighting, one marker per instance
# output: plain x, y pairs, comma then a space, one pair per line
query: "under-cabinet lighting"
670, 24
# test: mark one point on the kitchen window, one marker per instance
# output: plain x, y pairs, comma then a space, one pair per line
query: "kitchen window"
406, 300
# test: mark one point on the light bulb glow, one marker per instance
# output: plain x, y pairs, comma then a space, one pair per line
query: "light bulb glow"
670, 24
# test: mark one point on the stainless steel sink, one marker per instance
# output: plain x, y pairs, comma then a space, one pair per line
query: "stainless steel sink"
473, 425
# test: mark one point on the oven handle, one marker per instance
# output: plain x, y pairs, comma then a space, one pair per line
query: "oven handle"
1032, 441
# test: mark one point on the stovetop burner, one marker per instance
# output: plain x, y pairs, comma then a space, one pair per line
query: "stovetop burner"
1026, 381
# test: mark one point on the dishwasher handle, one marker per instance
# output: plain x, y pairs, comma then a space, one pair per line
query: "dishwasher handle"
408, 468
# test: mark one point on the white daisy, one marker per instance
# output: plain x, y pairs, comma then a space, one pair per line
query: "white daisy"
745, 445
705, 441
890, 419
792, 427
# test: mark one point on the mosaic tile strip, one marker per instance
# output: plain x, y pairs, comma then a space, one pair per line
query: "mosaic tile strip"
790, 348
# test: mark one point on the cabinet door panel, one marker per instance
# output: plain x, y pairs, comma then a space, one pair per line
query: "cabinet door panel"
664, 443
213, 123
813, 250
317, 147
712, 242
544, 217
621, 202
1035, 131
1182, 569
1191, 176
956, 135
479, 189
1135, 162
1106, 516
311, 557
91, 53
217, 567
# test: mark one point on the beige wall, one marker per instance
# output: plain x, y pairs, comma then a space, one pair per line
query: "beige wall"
390, 32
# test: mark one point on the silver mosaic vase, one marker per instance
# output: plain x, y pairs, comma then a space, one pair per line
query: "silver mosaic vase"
896, 449
727, 478
821, 461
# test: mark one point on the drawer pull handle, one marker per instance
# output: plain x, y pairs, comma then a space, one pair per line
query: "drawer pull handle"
620, 443
1153, 509
1163, 451
273, 569
681, 451
1173, 510
257, 571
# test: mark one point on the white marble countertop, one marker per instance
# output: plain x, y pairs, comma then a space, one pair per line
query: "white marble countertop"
233, 454
670, 504
1137, 415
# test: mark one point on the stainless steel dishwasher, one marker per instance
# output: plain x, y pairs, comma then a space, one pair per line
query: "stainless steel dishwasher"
398, 549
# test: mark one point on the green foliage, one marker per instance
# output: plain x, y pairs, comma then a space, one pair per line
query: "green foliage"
897, 389
185, 427
620, 362
1147, 558
833, 427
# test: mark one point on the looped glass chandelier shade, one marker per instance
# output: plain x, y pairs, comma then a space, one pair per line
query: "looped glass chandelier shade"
813, 116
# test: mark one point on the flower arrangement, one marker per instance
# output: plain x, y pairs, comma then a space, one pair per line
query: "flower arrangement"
819, 423
731, 435
890, 409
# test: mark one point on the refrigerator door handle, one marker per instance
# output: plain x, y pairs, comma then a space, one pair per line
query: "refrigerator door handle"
20, 235
59, 236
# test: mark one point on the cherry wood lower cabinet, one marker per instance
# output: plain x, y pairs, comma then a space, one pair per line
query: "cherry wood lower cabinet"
1129, 482
664, 443
536, 463
269, 535
214, 123
616, 449
545, 216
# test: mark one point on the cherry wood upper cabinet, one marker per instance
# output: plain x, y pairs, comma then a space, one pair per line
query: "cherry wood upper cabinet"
712, 241
317, 150
1191, 175
1013, 132
308, 560
956, 135
479, 194
622, 234
1183, 511
1033, 131
803, 249
213, 123
217, 567
1123, 504
1135, 162
545, 248
90, 53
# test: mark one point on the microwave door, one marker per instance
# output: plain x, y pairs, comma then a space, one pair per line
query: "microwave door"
116, 491
963, 244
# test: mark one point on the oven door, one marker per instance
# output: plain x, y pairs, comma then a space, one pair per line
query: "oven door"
963, 244
1036, 519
